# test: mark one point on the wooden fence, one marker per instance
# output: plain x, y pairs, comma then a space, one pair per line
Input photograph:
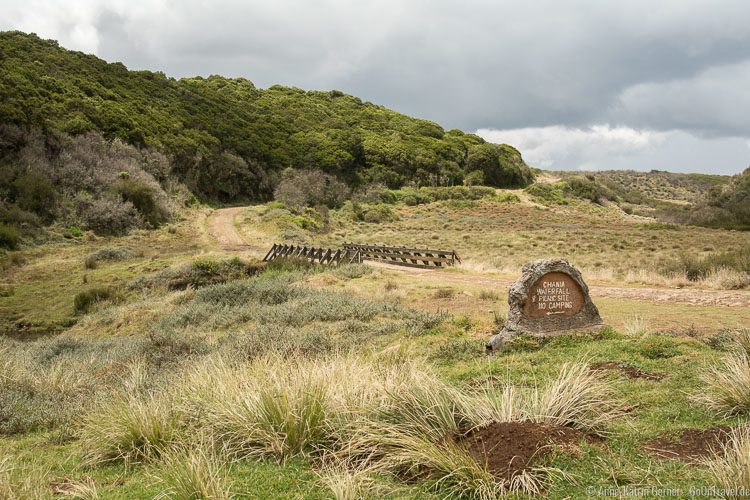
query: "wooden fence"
325, 256
411, 257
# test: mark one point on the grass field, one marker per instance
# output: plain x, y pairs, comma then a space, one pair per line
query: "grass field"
204, 375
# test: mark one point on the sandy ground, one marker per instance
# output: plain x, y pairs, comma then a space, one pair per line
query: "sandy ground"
220, 226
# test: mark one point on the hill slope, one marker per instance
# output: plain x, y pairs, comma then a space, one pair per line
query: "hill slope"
229, 139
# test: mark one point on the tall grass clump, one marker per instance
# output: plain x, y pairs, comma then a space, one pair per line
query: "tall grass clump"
728, 383
346, 484
452, 470
575, 398
730, 466
193, 472
132, 428
636, 325
84, 300
269, 408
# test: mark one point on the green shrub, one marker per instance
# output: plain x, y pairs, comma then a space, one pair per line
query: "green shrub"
696, 268
73, 232
379, 213
351, 271
205, 265
549, 194
143, 199
9, 236
203, 271
84, 300
289, 264
584, 188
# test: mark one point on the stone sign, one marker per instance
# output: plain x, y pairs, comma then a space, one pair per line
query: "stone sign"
550, 298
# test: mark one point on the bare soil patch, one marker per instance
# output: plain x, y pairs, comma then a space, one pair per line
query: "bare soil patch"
628, 371
691, 446
508, 448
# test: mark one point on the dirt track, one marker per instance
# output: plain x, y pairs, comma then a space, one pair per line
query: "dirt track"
220, 225
650, 295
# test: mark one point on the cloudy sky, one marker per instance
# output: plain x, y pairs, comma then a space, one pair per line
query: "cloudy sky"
573, 84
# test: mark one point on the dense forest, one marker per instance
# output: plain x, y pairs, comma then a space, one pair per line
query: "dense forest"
228, 139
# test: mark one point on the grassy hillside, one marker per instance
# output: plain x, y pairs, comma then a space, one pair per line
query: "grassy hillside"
229, 139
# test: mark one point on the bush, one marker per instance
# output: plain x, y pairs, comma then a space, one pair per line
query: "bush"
107, 253
107, 215
585, 188
696, 268
84, 300
9, 236
549, 194
142, 197
309, 188
379, 213
474, 178
201, 272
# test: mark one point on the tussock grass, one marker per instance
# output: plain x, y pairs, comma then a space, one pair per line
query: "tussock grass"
83, 490
575, 398
730, 467
18, 483
387, 413
193, 472
636, 325
132, 428
348, 483
728, 383
453, 470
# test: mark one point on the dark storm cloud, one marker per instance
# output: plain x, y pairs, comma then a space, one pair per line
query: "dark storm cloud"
564, 67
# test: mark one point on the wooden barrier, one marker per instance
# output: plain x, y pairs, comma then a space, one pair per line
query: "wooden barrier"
411, 257
325, 256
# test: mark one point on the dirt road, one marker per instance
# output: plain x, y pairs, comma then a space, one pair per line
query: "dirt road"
640, 294
221, 226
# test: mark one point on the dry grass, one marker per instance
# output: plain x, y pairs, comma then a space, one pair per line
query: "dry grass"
386, 413
728, 383
575, 398
129, 427
495, 237
635, 326
730, 467
193, 472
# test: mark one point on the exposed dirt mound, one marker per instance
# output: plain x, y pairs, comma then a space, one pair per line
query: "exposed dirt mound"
690, 446
507, 448
629, 371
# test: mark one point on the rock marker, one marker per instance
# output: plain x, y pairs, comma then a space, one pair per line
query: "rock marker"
550, 298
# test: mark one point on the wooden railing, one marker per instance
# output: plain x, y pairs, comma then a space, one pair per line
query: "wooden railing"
325, 256
411, 257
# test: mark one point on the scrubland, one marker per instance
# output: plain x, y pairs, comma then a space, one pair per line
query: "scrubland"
201, 373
